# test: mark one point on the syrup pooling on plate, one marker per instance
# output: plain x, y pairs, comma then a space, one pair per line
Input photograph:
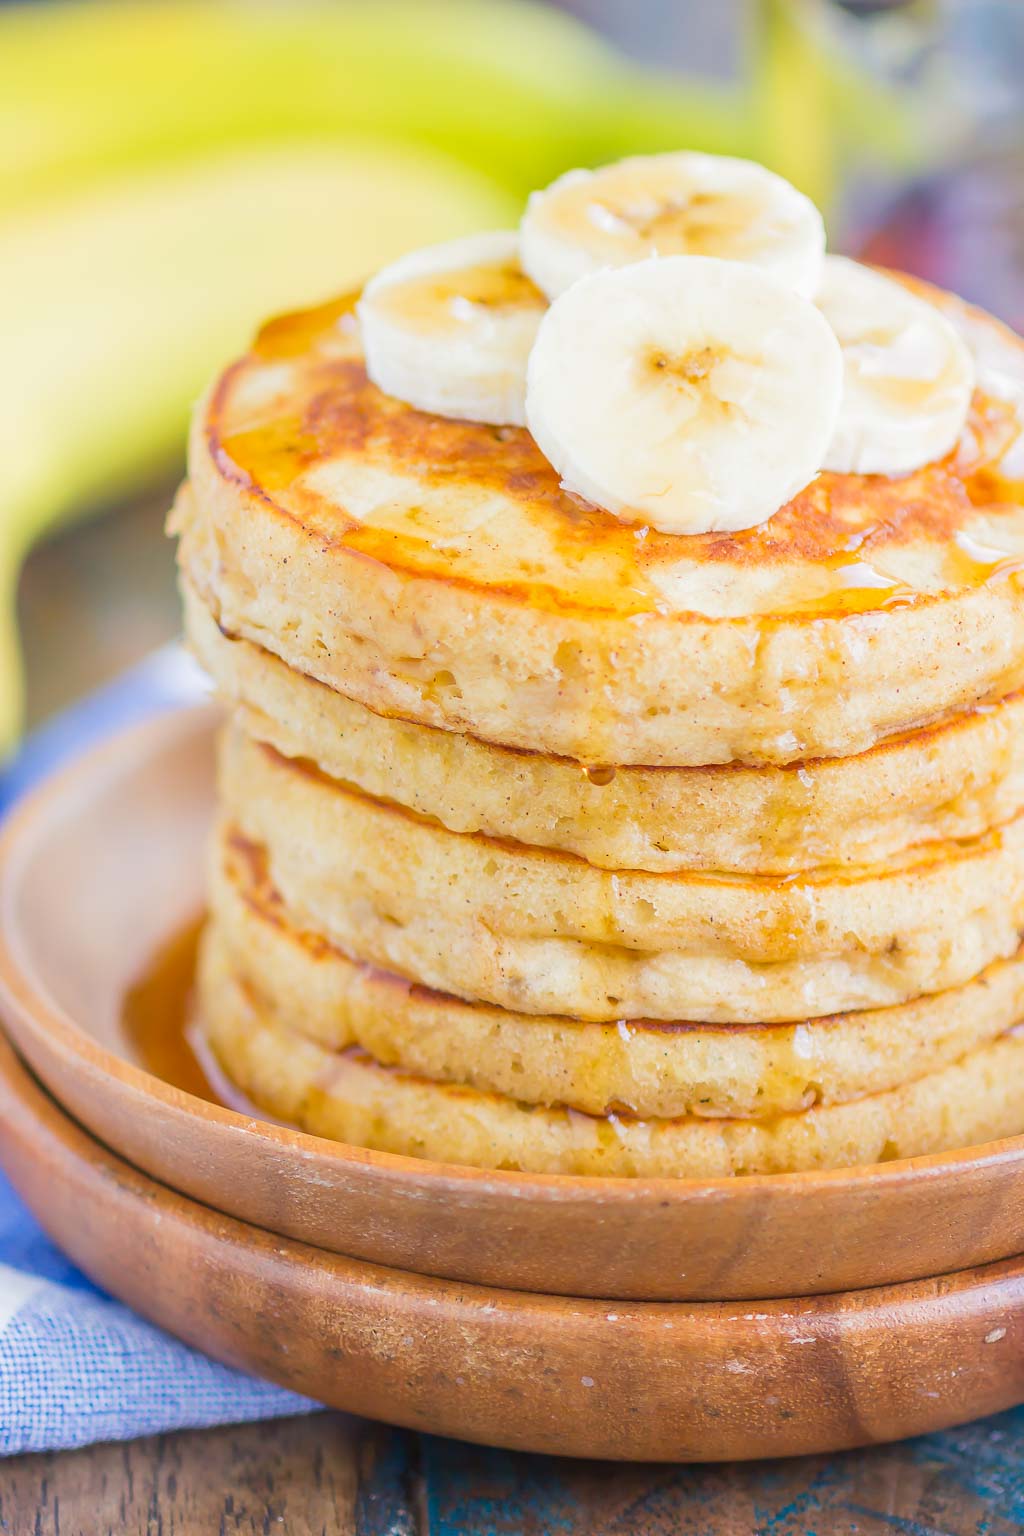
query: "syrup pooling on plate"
164, 1031
158, 1010
485, 508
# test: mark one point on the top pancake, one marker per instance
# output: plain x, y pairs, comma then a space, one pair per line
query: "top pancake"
434, 570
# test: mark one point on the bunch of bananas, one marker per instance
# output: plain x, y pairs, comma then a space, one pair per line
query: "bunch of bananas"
173, 171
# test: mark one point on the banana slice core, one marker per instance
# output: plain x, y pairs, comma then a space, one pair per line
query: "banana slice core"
449, 329
908, 376
999, 373
671, 205
687, 393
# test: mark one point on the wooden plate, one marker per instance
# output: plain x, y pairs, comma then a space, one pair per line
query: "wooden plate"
104, 862
662, 1381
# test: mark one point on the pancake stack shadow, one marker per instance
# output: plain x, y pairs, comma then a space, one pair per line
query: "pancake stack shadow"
542, 848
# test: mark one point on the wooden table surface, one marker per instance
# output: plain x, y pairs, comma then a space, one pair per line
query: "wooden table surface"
335, 1476
92, 602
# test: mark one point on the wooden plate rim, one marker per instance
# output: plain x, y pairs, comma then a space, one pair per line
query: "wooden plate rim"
687, 1400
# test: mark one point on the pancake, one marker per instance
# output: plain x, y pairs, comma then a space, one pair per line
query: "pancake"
346, 1096
664, 1070
435, 570
538, 931
947, 781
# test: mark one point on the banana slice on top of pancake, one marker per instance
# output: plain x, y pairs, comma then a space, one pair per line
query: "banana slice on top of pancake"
679, 204
448, 329
908, 376
685, 392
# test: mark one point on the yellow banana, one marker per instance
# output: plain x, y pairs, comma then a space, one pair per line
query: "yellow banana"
515, 88
142, 233
115, 305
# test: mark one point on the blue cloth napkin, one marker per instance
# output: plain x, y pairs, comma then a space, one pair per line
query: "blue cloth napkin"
76, 1367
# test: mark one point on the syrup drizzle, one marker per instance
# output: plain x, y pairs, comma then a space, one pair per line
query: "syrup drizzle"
157, 1017
573, 554
434, 302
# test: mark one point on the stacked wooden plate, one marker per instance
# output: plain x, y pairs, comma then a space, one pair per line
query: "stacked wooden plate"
634, 1318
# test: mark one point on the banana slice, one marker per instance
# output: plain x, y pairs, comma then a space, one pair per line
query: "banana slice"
999, 372
448, 329
907, 375
685, 392
684, 204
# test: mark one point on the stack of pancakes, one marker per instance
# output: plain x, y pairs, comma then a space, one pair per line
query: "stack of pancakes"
556, 844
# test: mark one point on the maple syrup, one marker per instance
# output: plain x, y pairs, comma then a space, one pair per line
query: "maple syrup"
293, 334
599, 774
426, 303
659, 219
158, 1017
566, 553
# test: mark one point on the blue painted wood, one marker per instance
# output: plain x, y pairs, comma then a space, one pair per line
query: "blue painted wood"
388, 1498
965, 1482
